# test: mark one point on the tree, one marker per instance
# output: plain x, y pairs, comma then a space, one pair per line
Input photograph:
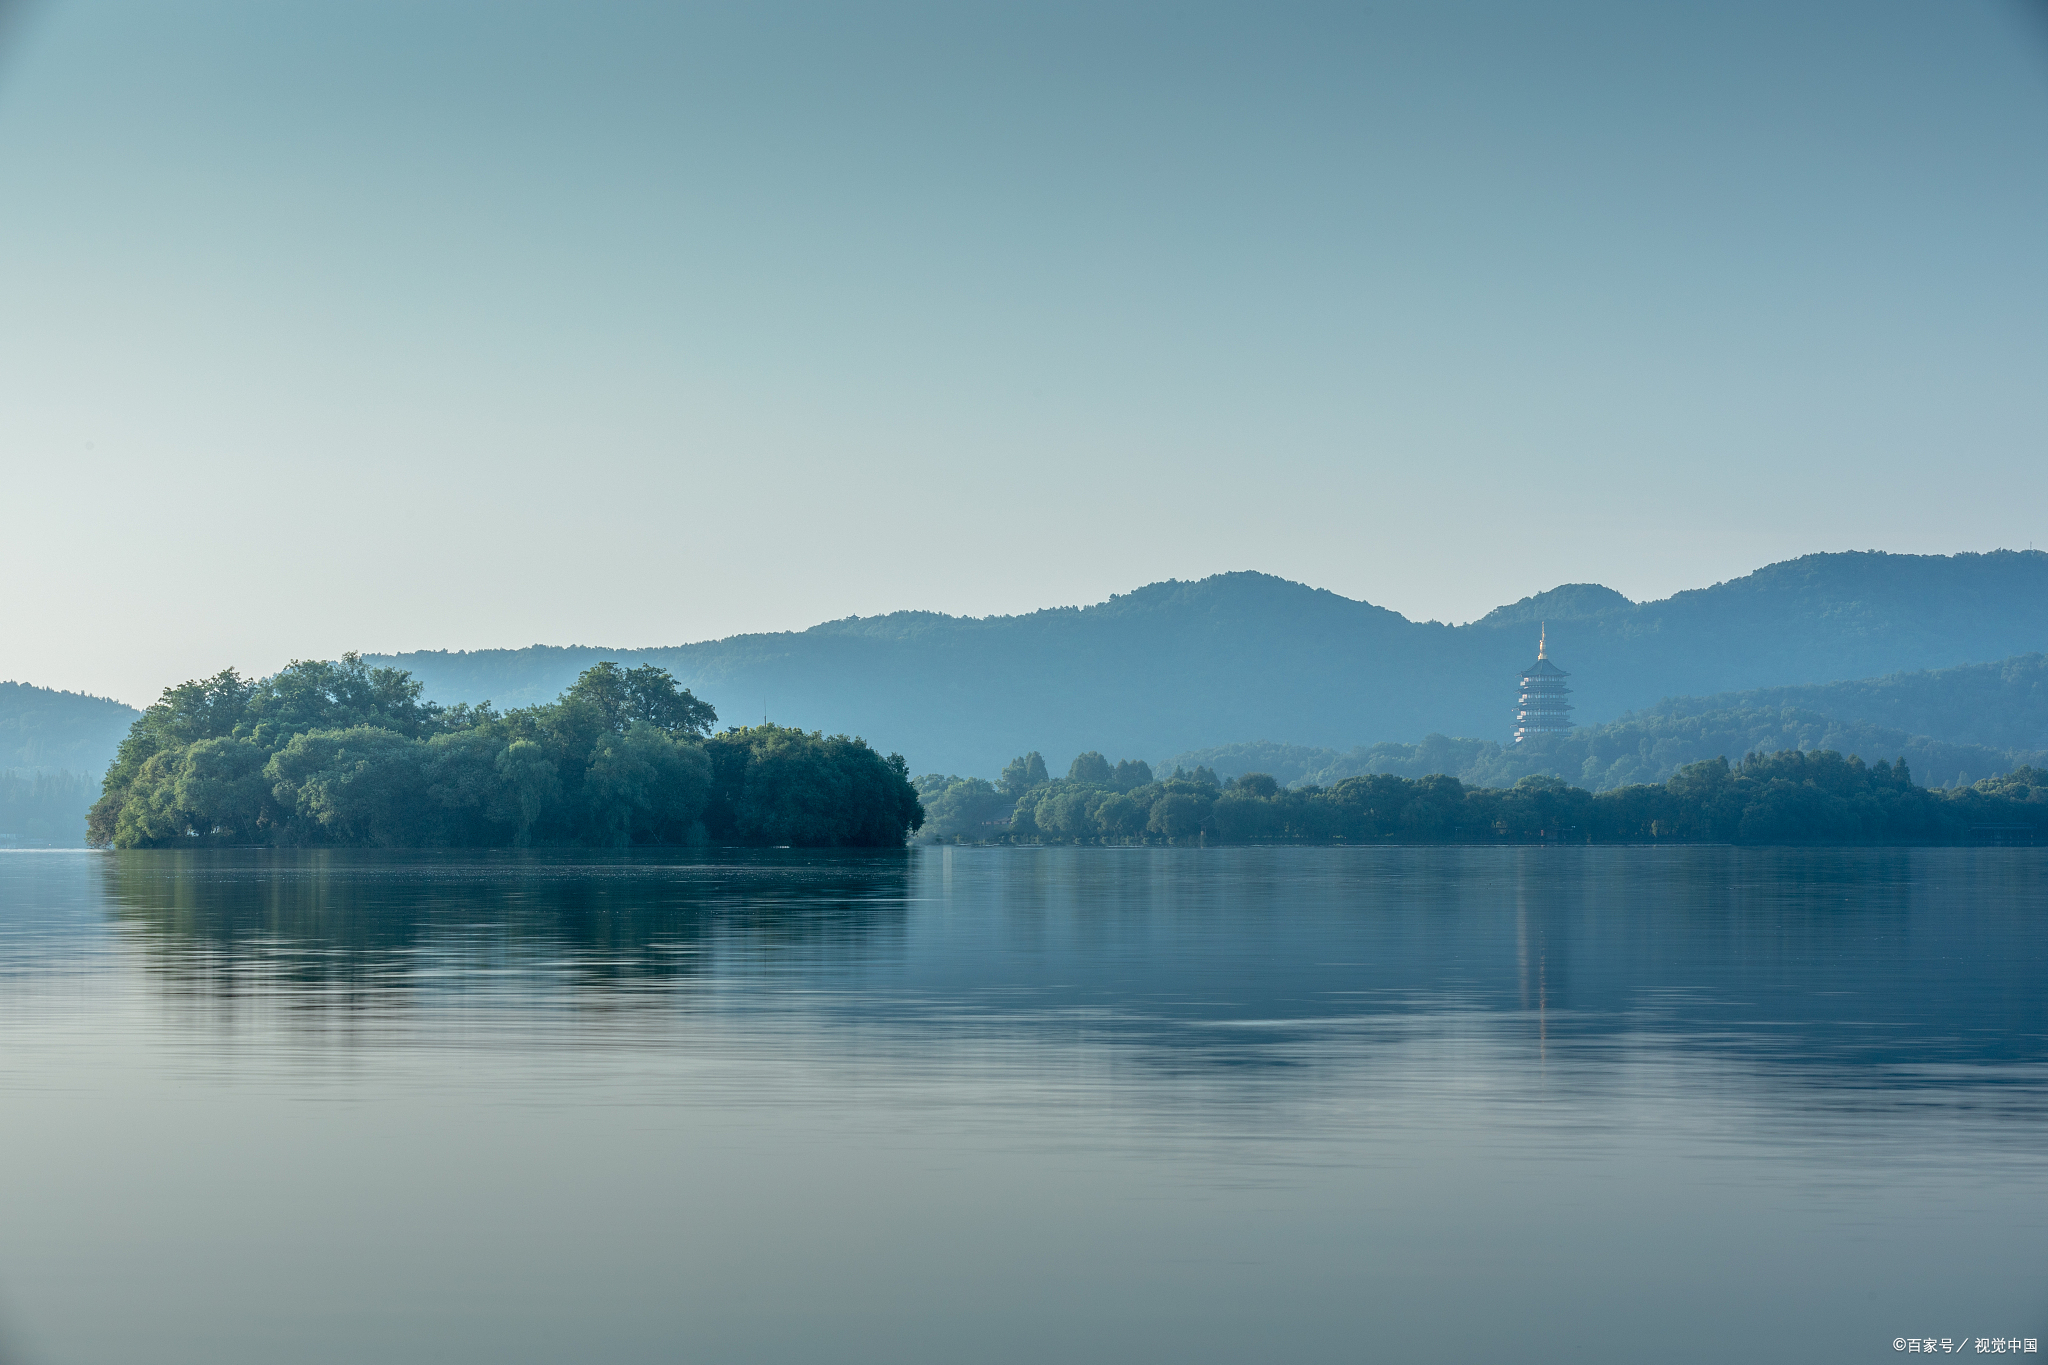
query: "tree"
774, 785
1131, 773
529, 786
645, 695
224, 779
1119, 817
1242, 816
1091, 768
361, 785
967, 807
1261, 785
1020, 775
316, 694
1178, 815
643, 786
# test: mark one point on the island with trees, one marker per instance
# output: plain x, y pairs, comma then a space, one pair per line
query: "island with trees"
343, 754
1784, 797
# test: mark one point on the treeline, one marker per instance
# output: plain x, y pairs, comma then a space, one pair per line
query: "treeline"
1094, 800
1796, 797
343, 754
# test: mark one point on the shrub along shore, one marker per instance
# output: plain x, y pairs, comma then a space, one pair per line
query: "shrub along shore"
1787, 797
339, 754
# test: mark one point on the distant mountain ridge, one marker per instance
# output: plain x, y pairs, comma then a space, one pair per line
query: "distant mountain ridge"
54, 747
43, 730
1177, 666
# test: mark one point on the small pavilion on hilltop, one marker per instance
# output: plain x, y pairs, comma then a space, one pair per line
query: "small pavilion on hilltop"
1542, 708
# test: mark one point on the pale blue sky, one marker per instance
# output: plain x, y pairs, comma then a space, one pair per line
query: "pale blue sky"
402, 325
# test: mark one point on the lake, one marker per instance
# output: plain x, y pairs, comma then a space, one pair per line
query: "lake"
967, 1104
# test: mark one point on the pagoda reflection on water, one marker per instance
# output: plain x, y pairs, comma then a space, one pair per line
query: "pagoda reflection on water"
1542, 708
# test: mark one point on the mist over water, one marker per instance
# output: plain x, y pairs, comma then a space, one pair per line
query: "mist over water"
1021, 1104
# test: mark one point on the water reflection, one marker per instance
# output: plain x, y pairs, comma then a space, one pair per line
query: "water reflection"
1909, 963
1305, 1104
1795, 959
348, 930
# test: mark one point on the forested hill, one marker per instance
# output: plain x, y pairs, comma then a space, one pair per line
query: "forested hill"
43, 730
2001, 705
53, 748
1186, 665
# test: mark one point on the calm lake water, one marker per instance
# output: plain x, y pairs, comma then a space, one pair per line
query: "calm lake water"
1022, 1105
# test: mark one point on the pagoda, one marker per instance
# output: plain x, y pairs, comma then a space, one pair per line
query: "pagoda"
1542, 708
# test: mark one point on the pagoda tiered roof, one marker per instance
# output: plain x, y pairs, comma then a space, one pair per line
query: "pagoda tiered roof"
1542, 708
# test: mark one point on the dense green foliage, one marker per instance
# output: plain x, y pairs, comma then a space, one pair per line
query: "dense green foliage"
1174, 666
1792, 797
342, 753
970, 808
45, 730
44, 809
774, 785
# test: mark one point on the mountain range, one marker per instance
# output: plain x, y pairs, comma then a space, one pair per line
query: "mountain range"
1180, 666
1930, 657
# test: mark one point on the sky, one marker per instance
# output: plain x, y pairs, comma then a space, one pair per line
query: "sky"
400, 324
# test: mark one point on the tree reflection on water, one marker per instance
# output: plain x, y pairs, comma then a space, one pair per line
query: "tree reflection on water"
342, 929
1865, 974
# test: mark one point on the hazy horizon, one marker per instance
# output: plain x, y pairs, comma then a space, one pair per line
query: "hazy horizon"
389, 327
